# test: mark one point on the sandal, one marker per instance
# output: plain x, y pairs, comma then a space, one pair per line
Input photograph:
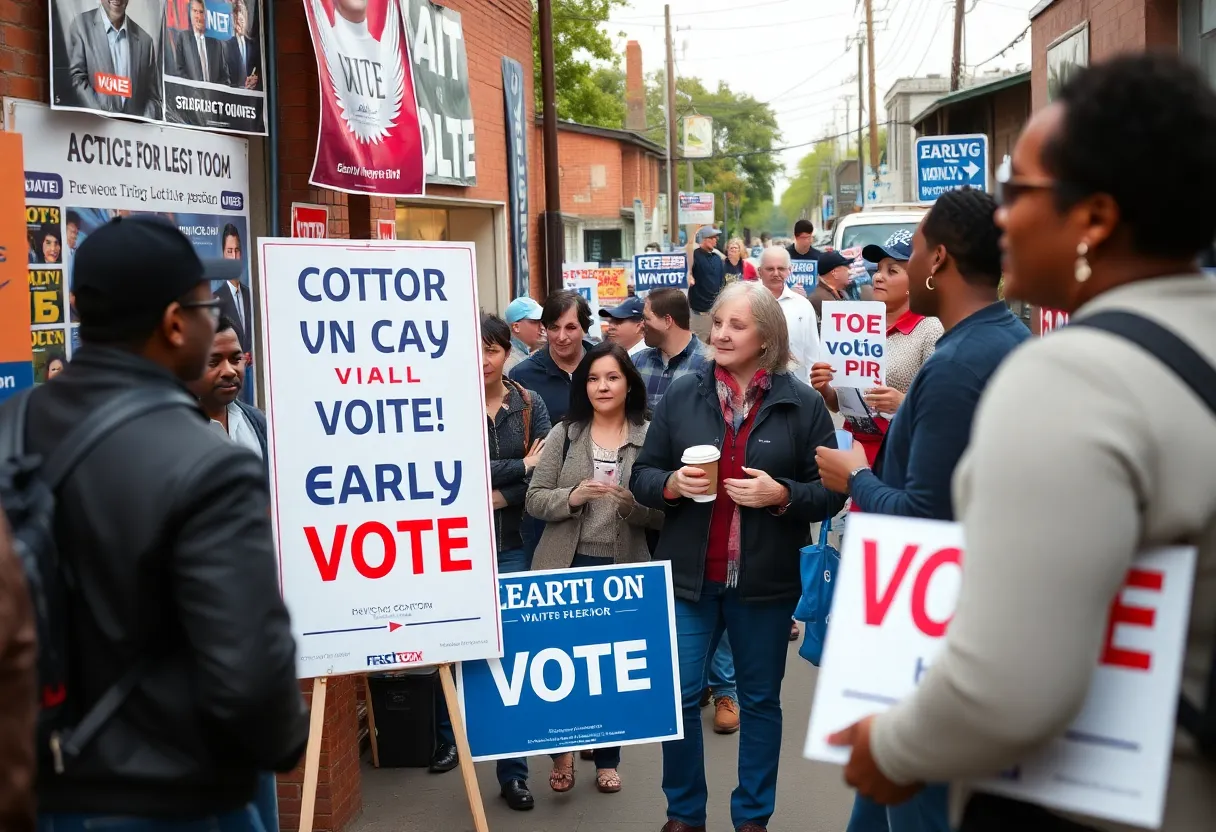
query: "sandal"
607, 780
561, 778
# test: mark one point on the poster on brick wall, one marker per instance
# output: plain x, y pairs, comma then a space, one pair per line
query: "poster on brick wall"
191, 63
81, 172
441, 73
368, 140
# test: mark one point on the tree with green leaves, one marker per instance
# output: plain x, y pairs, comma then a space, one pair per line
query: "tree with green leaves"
586, 64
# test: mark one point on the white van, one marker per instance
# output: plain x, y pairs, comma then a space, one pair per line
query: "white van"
875, 224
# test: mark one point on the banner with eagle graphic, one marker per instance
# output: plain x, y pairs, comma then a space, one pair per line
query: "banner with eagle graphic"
369, 140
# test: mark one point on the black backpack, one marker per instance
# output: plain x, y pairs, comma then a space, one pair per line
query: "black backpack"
1195, 371
27, 492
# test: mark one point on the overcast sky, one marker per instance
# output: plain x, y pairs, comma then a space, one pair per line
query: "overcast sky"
784, 52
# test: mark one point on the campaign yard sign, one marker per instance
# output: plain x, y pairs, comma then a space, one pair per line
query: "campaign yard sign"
895, 596
589, 288
660, 271
804, 273
590, 660
380, 488
854, 335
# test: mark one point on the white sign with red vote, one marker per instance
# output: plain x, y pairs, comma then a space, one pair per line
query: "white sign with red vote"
380, 478
895, 595
309, 221
854, 336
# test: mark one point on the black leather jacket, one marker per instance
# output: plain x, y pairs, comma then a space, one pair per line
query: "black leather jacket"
167, 525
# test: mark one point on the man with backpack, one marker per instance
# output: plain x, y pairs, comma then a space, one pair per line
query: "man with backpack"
166, 661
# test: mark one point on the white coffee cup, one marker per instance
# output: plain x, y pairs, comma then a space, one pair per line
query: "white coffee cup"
706, 458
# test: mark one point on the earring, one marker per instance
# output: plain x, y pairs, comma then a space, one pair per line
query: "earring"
929, 283
1082, 271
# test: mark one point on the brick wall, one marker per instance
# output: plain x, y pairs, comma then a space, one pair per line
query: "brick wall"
24, 56
628, 173
1114, 26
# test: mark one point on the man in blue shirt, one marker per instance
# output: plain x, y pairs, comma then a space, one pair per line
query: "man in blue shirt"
953, 274
708, 275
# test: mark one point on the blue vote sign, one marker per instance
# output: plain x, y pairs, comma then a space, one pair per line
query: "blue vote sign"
660, 271
804, 273
948, 163
589, 660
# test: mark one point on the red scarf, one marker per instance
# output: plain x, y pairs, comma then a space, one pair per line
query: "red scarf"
737, 406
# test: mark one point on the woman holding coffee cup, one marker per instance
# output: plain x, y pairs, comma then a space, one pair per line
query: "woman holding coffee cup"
730, 456
580, 490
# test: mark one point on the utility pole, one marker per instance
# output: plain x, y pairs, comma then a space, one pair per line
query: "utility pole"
554, 235
873, 92
861, 156
956, 62
673, 185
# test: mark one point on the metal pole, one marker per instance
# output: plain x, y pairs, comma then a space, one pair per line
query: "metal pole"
861, 155
673, 185
554, 242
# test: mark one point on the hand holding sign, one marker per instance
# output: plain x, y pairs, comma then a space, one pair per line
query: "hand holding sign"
863, 774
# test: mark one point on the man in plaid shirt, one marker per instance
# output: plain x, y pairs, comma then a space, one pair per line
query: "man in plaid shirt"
674, 350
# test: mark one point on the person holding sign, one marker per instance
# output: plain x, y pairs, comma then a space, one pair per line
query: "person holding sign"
580, 490
800, 320
731, 457
953, 274
1054, 510
911, 339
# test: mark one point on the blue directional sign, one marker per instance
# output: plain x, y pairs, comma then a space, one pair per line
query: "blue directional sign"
947, 163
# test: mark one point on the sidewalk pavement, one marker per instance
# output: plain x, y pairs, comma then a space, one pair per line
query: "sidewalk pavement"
811, 797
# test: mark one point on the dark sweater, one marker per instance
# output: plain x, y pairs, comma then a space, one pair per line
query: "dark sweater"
539, 372
933, 425
708, 273
507, 452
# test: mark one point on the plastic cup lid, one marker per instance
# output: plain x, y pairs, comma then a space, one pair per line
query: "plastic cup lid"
699, 454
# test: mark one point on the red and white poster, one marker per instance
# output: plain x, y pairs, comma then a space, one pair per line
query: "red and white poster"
309, 221
1051, 319
369, 140
386, 230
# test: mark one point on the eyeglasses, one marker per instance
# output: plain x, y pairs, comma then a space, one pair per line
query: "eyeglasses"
211, 306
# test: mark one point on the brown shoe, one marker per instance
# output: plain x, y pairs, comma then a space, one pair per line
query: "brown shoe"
726, 716
678, 826
751, 827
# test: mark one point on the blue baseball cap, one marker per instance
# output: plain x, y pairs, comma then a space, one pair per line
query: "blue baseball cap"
707, 231
898, 247
631, 308
522, 309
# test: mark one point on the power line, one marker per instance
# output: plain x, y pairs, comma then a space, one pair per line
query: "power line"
714, 11
1011, 44
796, 146
936, 31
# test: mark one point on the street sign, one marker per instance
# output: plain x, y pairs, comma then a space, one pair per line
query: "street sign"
947, 163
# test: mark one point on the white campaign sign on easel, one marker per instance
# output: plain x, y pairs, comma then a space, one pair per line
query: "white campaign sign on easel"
895, 595
378, 463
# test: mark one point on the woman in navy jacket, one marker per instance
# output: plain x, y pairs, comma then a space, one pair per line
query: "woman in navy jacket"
735, 559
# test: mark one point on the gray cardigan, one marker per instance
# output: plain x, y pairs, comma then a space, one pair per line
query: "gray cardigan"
549, 498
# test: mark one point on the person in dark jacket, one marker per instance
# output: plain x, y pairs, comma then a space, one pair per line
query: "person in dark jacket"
167, 524
803, 246
708, 273
18, 692
734, 558
219, 392
953, 275
566, 317
518, 424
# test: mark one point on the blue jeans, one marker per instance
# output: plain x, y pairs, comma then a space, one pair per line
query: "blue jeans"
241, 820
720, 677
764, 627
515, 768
926, 812
267, 801
608, 757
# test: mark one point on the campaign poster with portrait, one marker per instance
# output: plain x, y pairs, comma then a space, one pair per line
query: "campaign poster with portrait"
81, 172
369, 140
193, 63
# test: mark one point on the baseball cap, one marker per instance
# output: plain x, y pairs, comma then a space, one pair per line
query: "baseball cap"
522, 309
707, 231
631, 308
898, 247
129, 270
829, 260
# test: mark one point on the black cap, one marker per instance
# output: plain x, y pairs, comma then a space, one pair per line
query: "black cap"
633, 307
829, 260
129, 270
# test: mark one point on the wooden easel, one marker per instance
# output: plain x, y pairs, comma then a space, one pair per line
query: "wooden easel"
312, 755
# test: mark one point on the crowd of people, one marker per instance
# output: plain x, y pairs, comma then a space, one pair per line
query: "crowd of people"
700, 431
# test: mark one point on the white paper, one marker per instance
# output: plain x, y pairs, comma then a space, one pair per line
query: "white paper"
1112, 763
854, 336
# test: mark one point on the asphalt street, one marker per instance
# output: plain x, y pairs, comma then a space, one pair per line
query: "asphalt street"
811, 797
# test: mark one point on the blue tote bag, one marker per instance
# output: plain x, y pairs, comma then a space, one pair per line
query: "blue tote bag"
819, 564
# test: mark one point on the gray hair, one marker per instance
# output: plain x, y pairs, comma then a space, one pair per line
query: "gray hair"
770, 322
776, 251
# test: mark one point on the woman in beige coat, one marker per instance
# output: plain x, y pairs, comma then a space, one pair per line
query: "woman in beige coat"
580, 491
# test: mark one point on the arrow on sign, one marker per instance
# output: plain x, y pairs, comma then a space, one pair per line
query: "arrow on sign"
972, 169
393, 626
